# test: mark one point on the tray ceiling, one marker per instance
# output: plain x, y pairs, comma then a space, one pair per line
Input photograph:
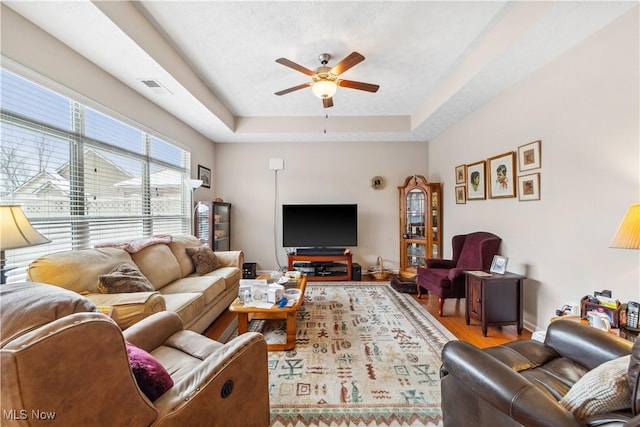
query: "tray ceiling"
435, 62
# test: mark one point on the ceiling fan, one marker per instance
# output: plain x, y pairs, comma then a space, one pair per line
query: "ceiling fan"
325, 80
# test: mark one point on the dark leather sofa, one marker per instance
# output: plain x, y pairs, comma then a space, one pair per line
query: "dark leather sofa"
521, 382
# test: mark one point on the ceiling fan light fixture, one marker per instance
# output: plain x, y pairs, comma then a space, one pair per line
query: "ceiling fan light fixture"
324, 88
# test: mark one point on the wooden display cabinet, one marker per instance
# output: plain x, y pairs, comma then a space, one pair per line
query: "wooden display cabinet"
420, 223
212, 224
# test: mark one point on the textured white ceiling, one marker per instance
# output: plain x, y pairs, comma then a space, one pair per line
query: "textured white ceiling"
435, 62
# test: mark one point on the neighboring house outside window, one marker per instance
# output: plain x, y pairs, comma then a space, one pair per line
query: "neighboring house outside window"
82, 177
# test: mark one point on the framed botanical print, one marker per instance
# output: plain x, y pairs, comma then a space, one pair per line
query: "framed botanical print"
502, 176
461, 198
476, 181
205, 175
529, 156
460, 174
529, 187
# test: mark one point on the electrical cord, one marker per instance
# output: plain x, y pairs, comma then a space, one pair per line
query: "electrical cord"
563, 310
275, 219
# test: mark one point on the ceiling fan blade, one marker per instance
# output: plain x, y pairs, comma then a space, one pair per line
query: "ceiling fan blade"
354, 59
297, 67
358, 85
292, 89
327, 102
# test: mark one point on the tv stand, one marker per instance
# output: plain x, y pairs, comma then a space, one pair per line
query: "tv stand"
322, 267
320, 251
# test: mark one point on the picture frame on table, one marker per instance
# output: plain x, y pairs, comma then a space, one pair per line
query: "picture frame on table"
529, 187
461, 194
502, 176
476, 184
204, 174
461, 176
499, 264
529, 156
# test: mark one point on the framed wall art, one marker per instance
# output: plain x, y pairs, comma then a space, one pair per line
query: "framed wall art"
476, 181
502, 176
460, 174
529, 187
205, 175
529, 156
461, 198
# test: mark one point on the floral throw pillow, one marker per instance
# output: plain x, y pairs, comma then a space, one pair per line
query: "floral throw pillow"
122, 279
204, 259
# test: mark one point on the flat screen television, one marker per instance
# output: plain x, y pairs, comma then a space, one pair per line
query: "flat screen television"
319, 225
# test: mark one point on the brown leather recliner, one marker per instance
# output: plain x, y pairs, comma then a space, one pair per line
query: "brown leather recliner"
445, 277
521, 382
68, 362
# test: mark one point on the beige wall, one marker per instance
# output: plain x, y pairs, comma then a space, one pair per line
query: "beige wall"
584, 108
315, 173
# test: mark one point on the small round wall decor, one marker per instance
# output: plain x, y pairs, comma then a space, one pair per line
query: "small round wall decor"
377, 183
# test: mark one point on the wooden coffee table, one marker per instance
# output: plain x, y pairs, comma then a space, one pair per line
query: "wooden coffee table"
290, 314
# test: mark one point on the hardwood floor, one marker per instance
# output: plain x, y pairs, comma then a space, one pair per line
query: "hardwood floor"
453, 320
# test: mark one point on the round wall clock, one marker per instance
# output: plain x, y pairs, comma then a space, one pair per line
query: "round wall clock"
377, 182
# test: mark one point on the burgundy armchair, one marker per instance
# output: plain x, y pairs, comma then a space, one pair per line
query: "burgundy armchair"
445, 278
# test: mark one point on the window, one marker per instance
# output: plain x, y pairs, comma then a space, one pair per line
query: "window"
82, 177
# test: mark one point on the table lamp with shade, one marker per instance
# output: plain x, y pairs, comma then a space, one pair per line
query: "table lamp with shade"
628, 234
16, 232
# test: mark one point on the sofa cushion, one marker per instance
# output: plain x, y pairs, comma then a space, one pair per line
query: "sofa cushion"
77, 271
601, 390
158, 264
28, 305
189, 306
152, 378
231, 275
184, 351
124, 278
209, 286
204, 259
178, 247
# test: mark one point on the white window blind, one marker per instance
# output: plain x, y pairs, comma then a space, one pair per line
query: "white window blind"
82, 177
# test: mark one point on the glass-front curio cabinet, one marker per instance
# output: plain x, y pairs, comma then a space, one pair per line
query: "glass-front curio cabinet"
212, 224
420, 223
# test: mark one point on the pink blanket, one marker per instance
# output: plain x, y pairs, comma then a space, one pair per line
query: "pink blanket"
136, 245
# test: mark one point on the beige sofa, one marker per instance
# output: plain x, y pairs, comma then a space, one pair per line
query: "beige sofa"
198, 300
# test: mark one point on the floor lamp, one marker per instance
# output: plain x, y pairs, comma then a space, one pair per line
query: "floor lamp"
193, 184
16, 232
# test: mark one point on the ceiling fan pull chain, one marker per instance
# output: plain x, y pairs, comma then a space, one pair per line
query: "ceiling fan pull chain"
326, 118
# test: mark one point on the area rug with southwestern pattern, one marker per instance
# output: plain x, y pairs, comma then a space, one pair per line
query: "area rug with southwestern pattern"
365, 355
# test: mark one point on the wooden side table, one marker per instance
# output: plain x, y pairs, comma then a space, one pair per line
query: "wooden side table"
494, 299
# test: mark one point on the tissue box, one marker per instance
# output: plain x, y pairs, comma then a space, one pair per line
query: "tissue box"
275, 293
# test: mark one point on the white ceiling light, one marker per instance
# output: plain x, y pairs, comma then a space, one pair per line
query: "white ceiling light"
324, 88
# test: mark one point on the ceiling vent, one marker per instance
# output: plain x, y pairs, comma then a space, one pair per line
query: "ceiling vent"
156, 86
